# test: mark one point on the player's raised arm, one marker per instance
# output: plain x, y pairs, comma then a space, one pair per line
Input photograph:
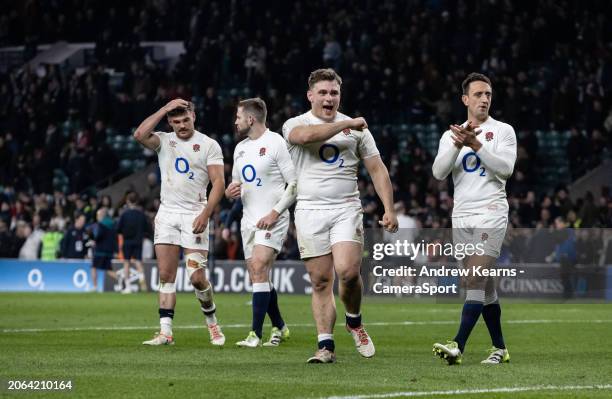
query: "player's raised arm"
445, 158
382, 183
144, 133
304, 134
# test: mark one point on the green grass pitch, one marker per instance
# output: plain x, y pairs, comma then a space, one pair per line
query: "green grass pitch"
558, 351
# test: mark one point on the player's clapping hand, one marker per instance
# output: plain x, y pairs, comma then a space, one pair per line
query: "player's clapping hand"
200, 223
464, 136
268, 221
358, 124
177, 102
233, 190
389, 222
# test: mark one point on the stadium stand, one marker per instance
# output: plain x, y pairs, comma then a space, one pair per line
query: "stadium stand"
66, 120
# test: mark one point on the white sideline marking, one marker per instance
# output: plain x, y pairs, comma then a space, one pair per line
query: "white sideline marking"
197, 326
476, 391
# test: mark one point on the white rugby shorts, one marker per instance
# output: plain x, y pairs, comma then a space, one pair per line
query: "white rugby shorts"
319, 229
273, 238
489, 229
177, 229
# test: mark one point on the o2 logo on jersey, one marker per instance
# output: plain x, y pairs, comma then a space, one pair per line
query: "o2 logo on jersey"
330, 153
249, 174
182, 166
471, 163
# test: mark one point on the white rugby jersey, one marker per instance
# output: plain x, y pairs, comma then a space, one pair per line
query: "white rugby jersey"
479, 178
327, 171
263, 166
184, 170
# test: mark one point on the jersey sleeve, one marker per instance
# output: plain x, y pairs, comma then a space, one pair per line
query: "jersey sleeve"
161, 136
502, 161
235, 172
445, 158
367, 146
283, 160
215, 155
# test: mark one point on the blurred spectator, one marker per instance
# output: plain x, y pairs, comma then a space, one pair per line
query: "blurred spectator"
30, 250
6, 241
133, 226
105, 247
152, 191
73, 242
565, 255
51, 241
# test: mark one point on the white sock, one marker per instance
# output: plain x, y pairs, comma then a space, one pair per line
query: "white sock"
323, 337
166, 325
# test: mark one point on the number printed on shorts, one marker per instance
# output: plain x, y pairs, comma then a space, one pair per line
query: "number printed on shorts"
182, 166
330, 153
471, 163
249, 175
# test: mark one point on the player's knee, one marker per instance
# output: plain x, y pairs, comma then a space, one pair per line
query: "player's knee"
167, 276
259, 275
195, 264
349, 277
321, 283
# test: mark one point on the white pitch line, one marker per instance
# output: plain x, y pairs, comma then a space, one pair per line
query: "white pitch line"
476, 391
197, 326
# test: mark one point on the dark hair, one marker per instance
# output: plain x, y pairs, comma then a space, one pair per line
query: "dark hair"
132, 198
180, 110
256, 107
474, 77
323, 74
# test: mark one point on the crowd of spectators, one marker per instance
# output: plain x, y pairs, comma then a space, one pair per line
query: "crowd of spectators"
401, 62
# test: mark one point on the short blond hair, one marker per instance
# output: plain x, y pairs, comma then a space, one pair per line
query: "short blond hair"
256, 107
321, 75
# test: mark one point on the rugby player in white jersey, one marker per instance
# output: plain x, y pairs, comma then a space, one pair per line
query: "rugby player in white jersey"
480, 153
326, 148
188, 160
264, 177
